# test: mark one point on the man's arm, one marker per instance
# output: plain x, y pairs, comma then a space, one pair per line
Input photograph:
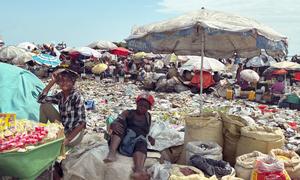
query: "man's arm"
74, 132
43, 98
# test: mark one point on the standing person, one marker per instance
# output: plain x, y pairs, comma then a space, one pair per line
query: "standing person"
236, 63
133, 70
238, 73
130, 133
70, 103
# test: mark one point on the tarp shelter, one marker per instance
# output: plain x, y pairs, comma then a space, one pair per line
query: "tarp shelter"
19, 90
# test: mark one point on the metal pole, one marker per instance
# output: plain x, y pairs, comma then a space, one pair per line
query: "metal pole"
201, 71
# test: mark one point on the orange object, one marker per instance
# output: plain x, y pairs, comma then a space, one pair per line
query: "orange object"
229, 94
207, 80
279, 72
251, 95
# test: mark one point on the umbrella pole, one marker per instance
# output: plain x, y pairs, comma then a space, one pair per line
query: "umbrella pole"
201, 72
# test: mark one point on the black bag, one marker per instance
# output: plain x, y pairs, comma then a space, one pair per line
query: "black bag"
211, 167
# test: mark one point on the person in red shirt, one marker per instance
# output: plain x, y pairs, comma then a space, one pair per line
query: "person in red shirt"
208, 80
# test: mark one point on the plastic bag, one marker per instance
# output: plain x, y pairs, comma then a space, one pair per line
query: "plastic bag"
209, 150
165, 136
269, 168
291, 161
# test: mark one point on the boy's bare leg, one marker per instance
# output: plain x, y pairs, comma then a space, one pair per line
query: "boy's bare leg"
115, 142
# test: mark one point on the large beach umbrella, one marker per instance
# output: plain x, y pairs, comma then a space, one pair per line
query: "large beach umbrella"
27, 46
249, 75
209, 64
87, 51
10, 52
221, 34
208, 33
46, 59
103, 45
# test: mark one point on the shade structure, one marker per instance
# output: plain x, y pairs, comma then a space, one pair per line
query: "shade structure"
279, 72
23, 58
249, 75
46, 59
208, 33
27, 46
87, 51
103, 45
120, 51
286, 65
222, 35
209, 64
99, 68
19, 90
260, 61
10, 52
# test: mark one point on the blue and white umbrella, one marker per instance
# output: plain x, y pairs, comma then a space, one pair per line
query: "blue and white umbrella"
46, 59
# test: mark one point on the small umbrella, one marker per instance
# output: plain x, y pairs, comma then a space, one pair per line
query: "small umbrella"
27, 46
171, 58
10, 52
249, 75
87, 51
286, 65
139, 55
260, 61
120, 51
103, 45
279, 72
209, 64
46, 59
99, 68
23, 58
68, 49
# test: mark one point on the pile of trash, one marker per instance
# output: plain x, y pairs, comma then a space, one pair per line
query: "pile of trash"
110, 98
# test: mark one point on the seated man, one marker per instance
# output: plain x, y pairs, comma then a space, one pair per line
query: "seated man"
70, 103
208, 81
129, 132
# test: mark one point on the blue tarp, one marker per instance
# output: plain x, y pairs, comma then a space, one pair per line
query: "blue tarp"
19, 89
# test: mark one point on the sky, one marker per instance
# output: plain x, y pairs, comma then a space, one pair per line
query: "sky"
79, 23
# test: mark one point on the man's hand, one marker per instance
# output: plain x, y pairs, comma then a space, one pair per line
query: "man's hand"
66, 141
151, 140
55, 74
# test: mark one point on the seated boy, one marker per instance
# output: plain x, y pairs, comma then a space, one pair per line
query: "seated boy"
70, 103
129, 132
